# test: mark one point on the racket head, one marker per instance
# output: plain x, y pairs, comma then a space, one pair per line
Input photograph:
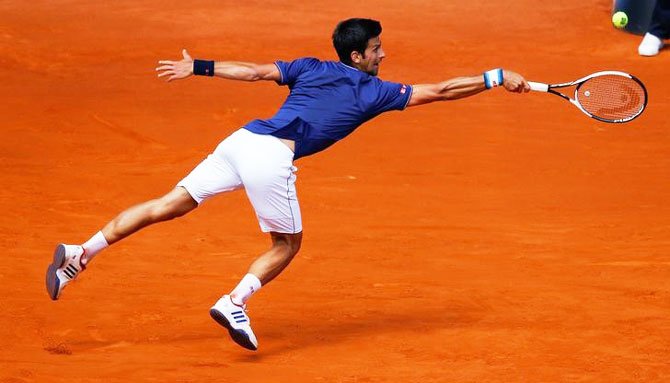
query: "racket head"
614, 97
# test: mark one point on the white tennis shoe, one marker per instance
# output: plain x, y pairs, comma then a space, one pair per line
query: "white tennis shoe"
64, 268
650, 45
234, 318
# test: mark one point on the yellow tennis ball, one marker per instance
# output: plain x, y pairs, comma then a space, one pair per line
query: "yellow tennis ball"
620, 19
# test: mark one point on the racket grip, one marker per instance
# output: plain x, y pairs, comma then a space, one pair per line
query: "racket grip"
538, 86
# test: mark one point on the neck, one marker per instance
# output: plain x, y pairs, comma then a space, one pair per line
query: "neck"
358, 68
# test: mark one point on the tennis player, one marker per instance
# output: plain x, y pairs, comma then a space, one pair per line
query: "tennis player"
327, 101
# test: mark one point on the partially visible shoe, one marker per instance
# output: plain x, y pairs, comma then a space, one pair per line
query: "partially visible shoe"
64, 268
234, 318
650, 45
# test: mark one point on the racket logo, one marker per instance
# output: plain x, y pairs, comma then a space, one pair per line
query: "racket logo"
630, 101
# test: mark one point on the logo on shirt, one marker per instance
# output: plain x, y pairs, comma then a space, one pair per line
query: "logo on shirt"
403, 89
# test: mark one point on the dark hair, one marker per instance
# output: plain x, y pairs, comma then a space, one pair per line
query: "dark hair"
353, 35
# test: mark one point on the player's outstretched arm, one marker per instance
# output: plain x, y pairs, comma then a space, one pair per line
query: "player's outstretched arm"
461, 87
233, 70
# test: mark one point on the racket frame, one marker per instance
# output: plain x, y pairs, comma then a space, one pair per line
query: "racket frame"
549, 88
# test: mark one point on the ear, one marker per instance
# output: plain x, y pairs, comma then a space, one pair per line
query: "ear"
356, 57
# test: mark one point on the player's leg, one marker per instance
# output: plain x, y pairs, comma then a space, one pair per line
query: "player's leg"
267, 266
270, 186
270, 264
267, 175
212, 176
229, 311
70, 260
172, 205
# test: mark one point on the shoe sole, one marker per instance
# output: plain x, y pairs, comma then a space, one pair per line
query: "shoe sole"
52, 281
238, 336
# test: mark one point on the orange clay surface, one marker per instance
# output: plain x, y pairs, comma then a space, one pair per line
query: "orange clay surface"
501, 238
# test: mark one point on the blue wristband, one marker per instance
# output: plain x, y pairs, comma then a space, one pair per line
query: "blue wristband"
203, 67
493, 78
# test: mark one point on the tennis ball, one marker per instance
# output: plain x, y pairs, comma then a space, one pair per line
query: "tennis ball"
620, 19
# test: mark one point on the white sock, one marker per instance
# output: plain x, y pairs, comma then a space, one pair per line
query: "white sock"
247, 286
93, 246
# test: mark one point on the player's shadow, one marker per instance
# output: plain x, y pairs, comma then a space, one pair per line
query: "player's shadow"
289, 334
287, 331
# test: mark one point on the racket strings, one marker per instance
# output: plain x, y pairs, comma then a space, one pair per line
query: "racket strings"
612, 97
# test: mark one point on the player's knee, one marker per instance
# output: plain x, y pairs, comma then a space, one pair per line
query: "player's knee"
290, 242
295, 245
171, 206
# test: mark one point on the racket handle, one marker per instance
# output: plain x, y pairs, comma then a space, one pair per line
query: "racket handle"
538, 86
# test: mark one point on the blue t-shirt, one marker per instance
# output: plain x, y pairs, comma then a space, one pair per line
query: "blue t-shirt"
327, 101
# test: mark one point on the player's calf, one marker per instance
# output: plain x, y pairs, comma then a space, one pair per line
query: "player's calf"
174, 204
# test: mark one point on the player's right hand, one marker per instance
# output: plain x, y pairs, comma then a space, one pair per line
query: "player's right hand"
176, 69
514, 82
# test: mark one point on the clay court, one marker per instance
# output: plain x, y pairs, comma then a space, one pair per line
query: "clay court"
500, 238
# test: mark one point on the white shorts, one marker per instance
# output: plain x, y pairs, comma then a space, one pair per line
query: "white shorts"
263, 166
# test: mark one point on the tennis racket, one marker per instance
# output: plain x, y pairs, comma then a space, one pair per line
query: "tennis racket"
607, 96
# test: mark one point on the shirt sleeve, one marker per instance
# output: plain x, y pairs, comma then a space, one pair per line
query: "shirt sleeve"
290, 71
391, 96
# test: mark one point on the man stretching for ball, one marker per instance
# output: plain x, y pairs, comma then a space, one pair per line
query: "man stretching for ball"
327, 101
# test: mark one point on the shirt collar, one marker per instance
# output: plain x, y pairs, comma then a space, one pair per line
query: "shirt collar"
348, 66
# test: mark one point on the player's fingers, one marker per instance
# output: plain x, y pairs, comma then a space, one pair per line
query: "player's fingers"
166, 62
166, 73
165, 67
185, 54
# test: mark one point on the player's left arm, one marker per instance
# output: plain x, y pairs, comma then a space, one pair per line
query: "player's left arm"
232, 70
461, 87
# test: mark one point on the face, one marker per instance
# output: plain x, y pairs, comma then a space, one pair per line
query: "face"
372, 57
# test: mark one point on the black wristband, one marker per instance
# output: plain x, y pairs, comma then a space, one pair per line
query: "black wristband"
203, 67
